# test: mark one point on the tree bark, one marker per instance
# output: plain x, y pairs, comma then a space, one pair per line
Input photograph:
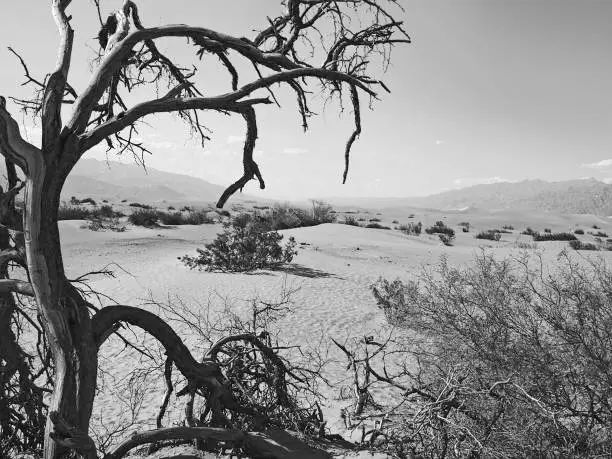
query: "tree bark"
66, 318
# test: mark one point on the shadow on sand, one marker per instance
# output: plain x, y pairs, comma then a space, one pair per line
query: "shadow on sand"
303, 271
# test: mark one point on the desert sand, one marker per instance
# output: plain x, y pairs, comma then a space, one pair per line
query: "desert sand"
333, 270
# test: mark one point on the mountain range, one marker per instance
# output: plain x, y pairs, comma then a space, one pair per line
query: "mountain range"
114, 180
587, 196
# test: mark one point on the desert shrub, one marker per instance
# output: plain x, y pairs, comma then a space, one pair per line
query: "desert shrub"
73, 213
395, 222
140, 206
508, 227
491, 235
465, 226
105, 201
579, 231
446, 239
411, 216
529, 232
322, 212
197, 218
239, 249
413, 229
74, 201
186, 209
377, 226
375, 220
600, 234
361, 219
579, 245
526, 245
171, 208
88, 201
539, 237
102, 224
440, 228
124, 200
261, 207
513, 353
144, 217
106, 211
547, 230
350, 220
595, 227
224, 213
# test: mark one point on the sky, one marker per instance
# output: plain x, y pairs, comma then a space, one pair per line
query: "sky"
488, 91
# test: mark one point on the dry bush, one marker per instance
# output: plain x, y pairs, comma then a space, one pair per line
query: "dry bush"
503, 358
241, 248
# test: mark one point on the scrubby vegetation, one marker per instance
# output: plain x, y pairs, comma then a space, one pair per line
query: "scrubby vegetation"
377, 226
465, 226
243, 246
491, 235
184, 218
529, 232
508, 227
578, 231
539, 237
141, 206
412, 229
440, 228
350, 220
144, 217
579, 245
508, 360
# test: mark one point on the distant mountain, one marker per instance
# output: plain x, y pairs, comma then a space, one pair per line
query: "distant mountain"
114, 180
588, 196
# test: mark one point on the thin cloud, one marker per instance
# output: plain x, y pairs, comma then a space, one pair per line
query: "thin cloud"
295, 151
599, 164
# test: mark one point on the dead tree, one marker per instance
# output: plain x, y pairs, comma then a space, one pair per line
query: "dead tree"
330, 42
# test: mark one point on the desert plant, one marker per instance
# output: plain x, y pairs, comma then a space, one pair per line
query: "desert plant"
350, 220
579, 231
242, 248
538, 237
395, 222
600, 234
139, 205
506, 350
446, 239
547, 230
413, 229
508, 227
529, 232
73, 213
375, 220
440, 228
377, 226
579, 245
144, 217
491, 235
322, 212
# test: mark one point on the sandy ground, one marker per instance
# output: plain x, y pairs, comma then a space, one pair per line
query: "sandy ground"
334, 269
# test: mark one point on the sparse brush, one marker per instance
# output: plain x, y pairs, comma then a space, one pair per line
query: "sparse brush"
412, 229
377, 226
440, 228
141, 206
239, 249
539, 237
491, 235
144, 217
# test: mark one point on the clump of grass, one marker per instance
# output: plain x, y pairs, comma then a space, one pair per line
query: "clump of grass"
377, 226
412, 229
66, 212
529, 232
538, 237
351, 221
440, 228
144, 217
139, 205
579, 245
491, 235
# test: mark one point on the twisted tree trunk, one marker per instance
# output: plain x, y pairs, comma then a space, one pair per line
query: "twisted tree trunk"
65, 313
